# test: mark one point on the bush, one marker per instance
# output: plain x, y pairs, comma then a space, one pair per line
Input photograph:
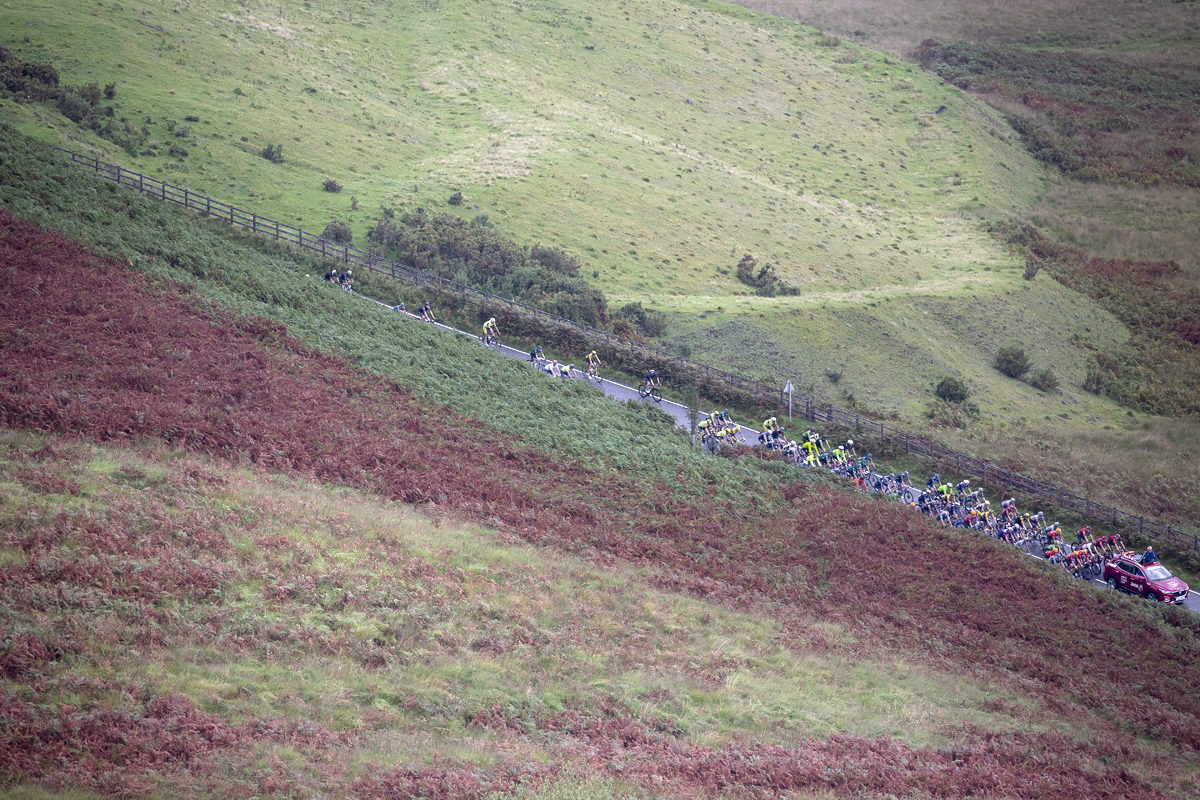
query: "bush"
110, 90
1044, 379
952, 390
178, 151
1011, 361
91, 93
833, 375
273, 153
191, 118
1031, 270
184, 132
73, 107
338, 231
650, 323
456, 199
332, 185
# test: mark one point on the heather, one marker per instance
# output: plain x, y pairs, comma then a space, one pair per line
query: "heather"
137, 597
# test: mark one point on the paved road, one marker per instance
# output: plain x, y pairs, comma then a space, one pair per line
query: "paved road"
623, 392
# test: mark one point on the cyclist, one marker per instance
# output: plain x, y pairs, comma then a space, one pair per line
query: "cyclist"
399, 307
490, 331
535, 354
426, 312
593, 363
770, 425
347, 281
568, 371
706, 426
332, 276
651, 379
932, 482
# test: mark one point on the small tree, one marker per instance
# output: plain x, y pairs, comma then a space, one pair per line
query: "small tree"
456, 199
338, 231
1044, 379
1012, 362
952, 390
273, 153
332, 185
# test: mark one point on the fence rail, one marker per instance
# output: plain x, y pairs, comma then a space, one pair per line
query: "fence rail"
913, 444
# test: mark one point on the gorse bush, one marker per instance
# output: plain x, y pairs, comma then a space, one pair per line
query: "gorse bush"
649, 322
1044, 379
332, 185
952, 390
338, 231
273, 153
476, 253
1012, 361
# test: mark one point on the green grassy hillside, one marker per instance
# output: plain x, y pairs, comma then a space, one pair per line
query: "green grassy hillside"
179, 625
660, 142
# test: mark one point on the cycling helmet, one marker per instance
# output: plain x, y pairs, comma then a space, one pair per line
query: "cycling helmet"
492, 320
850, 443
349, 272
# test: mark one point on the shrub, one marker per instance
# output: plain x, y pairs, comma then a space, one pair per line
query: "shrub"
1044, 379
91, 93
338, 231
273, 153
170, 123
332, 185
456, 199
183, 132
178, 151
191, 118
833, 375
1031, 270
1012, 361
73, 107
952, 415
110, 90
952, 390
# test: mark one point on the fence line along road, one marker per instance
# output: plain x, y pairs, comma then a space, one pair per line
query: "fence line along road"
913, 444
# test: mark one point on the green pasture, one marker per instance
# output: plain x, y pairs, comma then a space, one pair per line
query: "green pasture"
660, 142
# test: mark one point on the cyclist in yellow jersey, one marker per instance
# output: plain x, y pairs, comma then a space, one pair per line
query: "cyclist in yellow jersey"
705, 425
735, 433
593, 360
490, 329
770, 424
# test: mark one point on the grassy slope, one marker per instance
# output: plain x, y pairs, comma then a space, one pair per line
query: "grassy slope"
834, 573
599, 151
312, 579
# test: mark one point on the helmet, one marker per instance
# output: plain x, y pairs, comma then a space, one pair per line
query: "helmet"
850, 443
349, 272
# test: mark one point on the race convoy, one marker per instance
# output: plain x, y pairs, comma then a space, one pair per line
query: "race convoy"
1125, 573
957, 505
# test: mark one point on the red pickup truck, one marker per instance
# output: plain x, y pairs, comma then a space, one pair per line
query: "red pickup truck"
1152, 581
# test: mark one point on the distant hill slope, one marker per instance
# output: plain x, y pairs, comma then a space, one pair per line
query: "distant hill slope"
661, 142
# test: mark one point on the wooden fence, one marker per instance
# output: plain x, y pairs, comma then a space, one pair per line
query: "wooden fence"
988, 474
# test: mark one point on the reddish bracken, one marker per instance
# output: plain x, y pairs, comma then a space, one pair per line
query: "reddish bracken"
91, 349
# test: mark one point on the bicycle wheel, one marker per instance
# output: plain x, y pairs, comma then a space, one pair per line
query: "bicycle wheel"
656, 394
642, 391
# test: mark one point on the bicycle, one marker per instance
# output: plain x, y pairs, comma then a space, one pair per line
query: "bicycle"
593, 372
646, 390
490, 341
